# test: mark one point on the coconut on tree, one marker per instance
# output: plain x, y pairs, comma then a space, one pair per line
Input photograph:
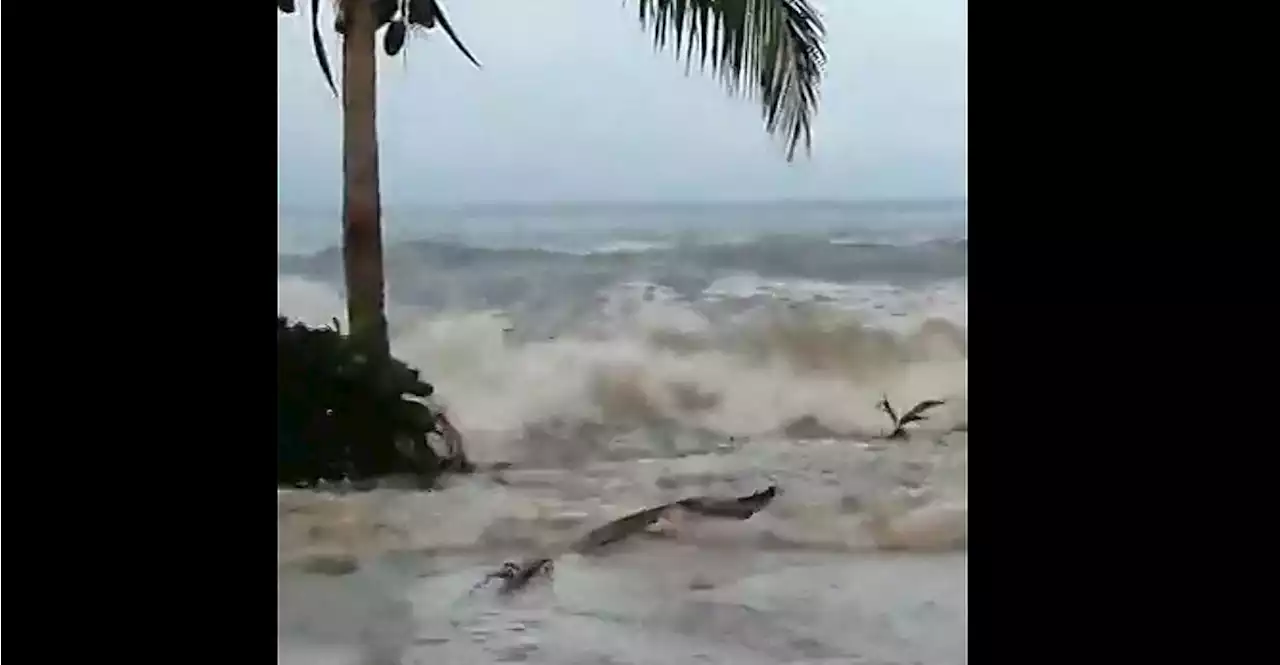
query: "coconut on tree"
767, 50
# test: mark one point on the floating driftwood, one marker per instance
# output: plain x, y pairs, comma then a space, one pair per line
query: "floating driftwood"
516, 576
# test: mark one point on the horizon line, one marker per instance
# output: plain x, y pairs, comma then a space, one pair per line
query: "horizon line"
886, 201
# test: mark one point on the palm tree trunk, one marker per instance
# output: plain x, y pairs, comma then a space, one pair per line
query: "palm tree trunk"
361, 206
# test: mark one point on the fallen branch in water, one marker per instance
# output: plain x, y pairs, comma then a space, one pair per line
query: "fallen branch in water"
516, 576
914, 414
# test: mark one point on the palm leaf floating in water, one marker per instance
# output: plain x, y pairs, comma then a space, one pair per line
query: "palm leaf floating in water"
517, 576
885, 406
914, 414
739, 508
623, 527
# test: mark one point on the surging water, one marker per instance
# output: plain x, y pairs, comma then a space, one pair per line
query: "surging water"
617, 380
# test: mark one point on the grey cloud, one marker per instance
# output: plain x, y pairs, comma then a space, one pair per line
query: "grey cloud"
574, 104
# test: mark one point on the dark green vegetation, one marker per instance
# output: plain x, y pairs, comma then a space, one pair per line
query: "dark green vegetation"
340, 414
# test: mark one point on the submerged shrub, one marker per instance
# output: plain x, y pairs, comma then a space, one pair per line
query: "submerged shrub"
341, 414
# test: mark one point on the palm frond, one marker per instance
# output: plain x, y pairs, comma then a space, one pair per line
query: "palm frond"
916, 413
885, 406
516, 576
619, 529
423, 14
738, 508
767, 50
317, 43
438, 12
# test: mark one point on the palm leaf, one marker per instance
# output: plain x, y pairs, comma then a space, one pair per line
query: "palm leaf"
619, 529
438, 12
916, 412
516, 575
318, 44
767, 50
885, 406
738, 508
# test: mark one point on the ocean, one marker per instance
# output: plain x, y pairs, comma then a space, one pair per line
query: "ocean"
623, 355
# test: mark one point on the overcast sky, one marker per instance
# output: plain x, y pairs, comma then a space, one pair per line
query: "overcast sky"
573, 104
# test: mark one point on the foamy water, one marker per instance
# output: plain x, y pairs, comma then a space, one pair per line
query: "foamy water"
808, 580
616, 383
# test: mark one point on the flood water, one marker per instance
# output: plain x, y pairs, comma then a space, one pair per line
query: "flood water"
862, 561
